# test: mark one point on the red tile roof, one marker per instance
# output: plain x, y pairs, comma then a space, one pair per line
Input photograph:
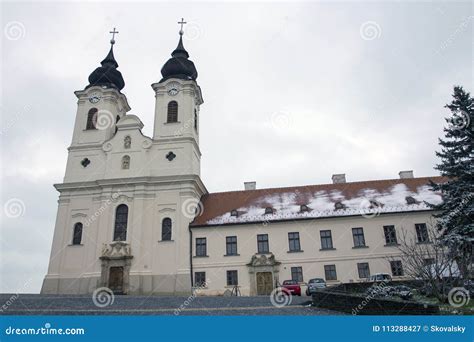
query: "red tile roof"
216, 207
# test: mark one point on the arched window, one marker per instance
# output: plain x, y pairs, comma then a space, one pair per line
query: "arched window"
91, 118
166, 229
121, 219
172, 111
125, 162
77, 234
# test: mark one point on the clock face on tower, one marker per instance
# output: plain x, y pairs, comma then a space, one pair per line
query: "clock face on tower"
173, 88
94, 98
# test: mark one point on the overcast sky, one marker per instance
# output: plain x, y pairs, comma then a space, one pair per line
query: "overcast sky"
293, 93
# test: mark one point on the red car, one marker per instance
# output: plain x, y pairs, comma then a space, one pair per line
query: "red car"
292, 287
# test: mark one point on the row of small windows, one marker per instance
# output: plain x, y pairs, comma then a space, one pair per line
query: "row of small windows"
337, 206
120, 227
294, 244
121, 221
330, 273
232, 278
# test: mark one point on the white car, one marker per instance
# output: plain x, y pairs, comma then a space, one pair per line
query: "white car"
379, 277
314, 285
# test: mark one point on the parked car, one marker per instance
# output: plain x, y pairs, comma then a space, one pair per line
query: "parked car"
315, 284
292, 287
377, 277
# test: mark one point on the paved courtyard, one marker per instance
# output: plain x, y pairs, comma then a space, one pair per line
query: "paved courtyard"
31, 304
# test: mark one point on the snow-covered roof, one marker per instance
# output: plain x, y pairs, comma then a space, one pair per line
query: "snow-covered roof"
369, 198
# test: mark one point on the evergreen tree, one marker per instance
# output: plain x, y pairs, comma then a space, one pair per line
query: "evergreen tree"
456, 213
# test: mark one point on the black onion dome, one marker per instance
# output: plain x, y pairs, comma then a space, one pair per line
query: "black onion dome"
179, 66
107, 75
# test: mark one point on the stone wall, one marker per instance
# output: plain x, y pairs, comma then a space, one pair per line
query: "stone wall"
364, 305
362, 287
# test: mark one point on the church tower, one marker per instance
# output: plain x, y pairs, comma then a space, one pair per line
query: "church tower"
178, 99
99, 108
127, 200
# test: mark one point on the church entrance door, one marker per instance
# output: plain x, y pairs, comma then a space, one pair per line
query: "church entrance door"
264, 283
116, 280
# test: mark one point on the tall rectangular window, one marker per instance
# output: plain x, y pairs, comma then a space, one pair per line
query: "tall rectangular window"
232, 279
77, 234
364, 271
201, 247
297, 274
231, 245
358, 236
262, 243
294, 242
326, 239
200, 279
390, 235
397, 268
330, 272
172, 112
121, 222
421, 232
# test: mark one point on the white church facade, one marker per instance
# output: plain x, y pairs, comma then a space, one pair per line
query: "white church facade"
135, 216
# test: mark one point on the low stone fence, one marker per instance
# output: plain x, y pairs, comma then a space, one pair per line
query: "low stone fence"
362, 287
366, 305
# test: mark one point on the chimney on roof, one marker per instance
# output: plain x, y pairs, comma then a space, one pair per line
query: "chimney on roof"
250, 185
339, 178
406, 174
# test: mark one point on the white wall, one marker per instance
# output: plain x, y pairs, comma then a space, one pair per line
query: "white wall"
312, 259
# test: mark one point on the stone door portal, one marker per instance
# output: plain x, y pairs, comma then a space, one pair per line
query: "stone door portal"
263, 272
264, 283
116, 280
116, 262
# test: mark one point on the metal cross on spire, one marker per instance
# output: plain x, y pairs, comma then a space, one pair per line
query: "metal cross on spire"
112, 41
182, 23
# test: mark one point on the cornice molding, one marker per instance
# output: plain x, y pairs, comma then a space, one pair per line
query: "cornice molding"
177, 180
